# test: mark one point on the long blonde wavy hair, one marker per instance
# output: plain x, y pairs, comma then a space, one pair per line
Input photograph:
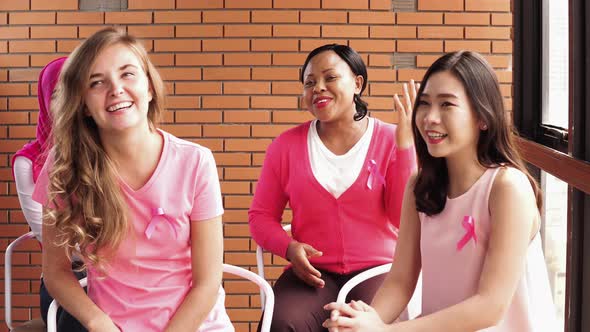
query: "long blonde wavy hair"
86, 205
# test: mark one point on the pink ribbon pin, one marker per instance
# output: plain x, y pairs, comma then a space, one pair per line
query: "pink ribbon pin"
469, 225
374, 175
158, 216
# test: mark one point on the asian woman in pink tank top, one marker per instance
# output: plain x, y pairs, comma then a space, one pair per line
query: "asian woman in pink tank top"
470, 218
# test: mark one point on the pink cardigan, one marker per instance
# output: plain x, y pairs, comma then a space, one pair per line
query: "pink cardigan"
356, 231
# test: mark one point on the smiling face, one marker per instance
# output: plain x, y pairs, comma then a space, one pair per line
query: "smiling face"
117, 94
445, 118
329, 86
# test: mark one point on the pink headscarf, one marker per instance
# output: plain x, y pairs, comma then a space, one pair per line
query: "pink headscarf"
36, 150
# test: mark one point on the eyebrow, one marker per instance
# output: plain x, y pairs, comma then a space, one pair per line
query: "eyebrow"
123, 67
442, 95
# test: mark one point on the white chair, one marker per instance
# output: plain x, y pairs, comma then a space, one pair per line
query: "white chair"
264, 286
32, 325
414, 306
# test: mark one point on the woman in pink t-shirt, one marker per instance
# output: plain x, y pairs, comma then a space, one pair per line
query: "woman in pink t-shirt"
140, 207
470, 218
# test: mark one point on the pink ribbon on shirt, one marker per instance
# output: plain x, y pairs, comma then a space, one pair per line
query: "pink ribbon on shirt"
158, 216
469, 225
374, 175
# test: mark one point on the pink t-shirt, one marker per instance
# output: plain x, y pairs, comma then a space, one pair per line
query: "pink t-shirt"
148, 278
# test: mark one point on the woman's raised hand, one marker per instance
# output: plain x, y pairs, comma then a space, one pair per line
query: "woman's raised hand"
404, 137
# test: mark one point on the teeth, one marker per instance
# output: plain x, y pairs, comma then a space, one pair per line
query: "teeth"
433, 135
119, 106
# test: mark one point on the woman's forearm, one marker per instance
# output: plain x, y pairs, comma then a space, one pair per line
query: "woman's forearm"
195, 307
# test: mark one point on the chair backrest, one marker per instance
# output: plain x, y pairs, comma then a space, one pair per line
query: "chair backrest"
264, 286
260, 263
8, 277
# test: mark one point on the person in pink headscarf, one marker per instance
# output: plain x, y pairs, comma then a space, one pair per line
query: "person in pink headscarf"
28, 161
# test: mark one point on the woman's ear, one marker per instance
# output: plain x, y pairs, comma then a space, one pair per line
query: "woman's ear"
358, 84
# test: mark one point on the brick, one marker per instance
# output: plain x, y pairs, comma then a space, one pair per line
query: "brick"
177, 16
289, 30
226, 73
226, 16
177, 45
379, 103
323, 16
67, 46
345, 4
247, 30
31, 46
382, 74
226, 45
424, 61
502, 19
405, 75
246, 59
198, 117
467, 18
198, 59
226, 130
287, 88
84, 18
85, 31
199, 30
250, 4
246, 88
150, 4
500, 61
24, 75
275, 45
14, 32
180, 74
502, 46
232, 159
384, 89
234, 187
199, 4
225, 102
201, 88
183, 102
381, 4
419, 18
54, 5
450, 5
345, 31
295, 59
14, 5
151, 31
31, 18
374, 45
372, 17
419, 45
127, 17
310, 44
250, 145
299, 116
246, 116
183, 130
3, 78
14, 89
275, 16
53, 32
269, 130
396, 31
473, 45
487, 5
504, 76
274, 102
10, 202
276, 74
440, 32
487, 33
380, 60
300, 4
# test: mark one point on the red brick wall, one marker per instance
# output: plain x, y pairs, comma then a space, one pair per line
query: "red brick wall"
231, 70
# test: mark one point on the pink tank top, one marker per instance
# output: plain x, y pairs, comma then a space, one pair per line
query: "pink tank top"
454, 245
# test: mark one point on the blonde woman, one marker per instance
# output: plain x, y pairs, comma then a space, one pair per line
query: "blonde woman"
141, 207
